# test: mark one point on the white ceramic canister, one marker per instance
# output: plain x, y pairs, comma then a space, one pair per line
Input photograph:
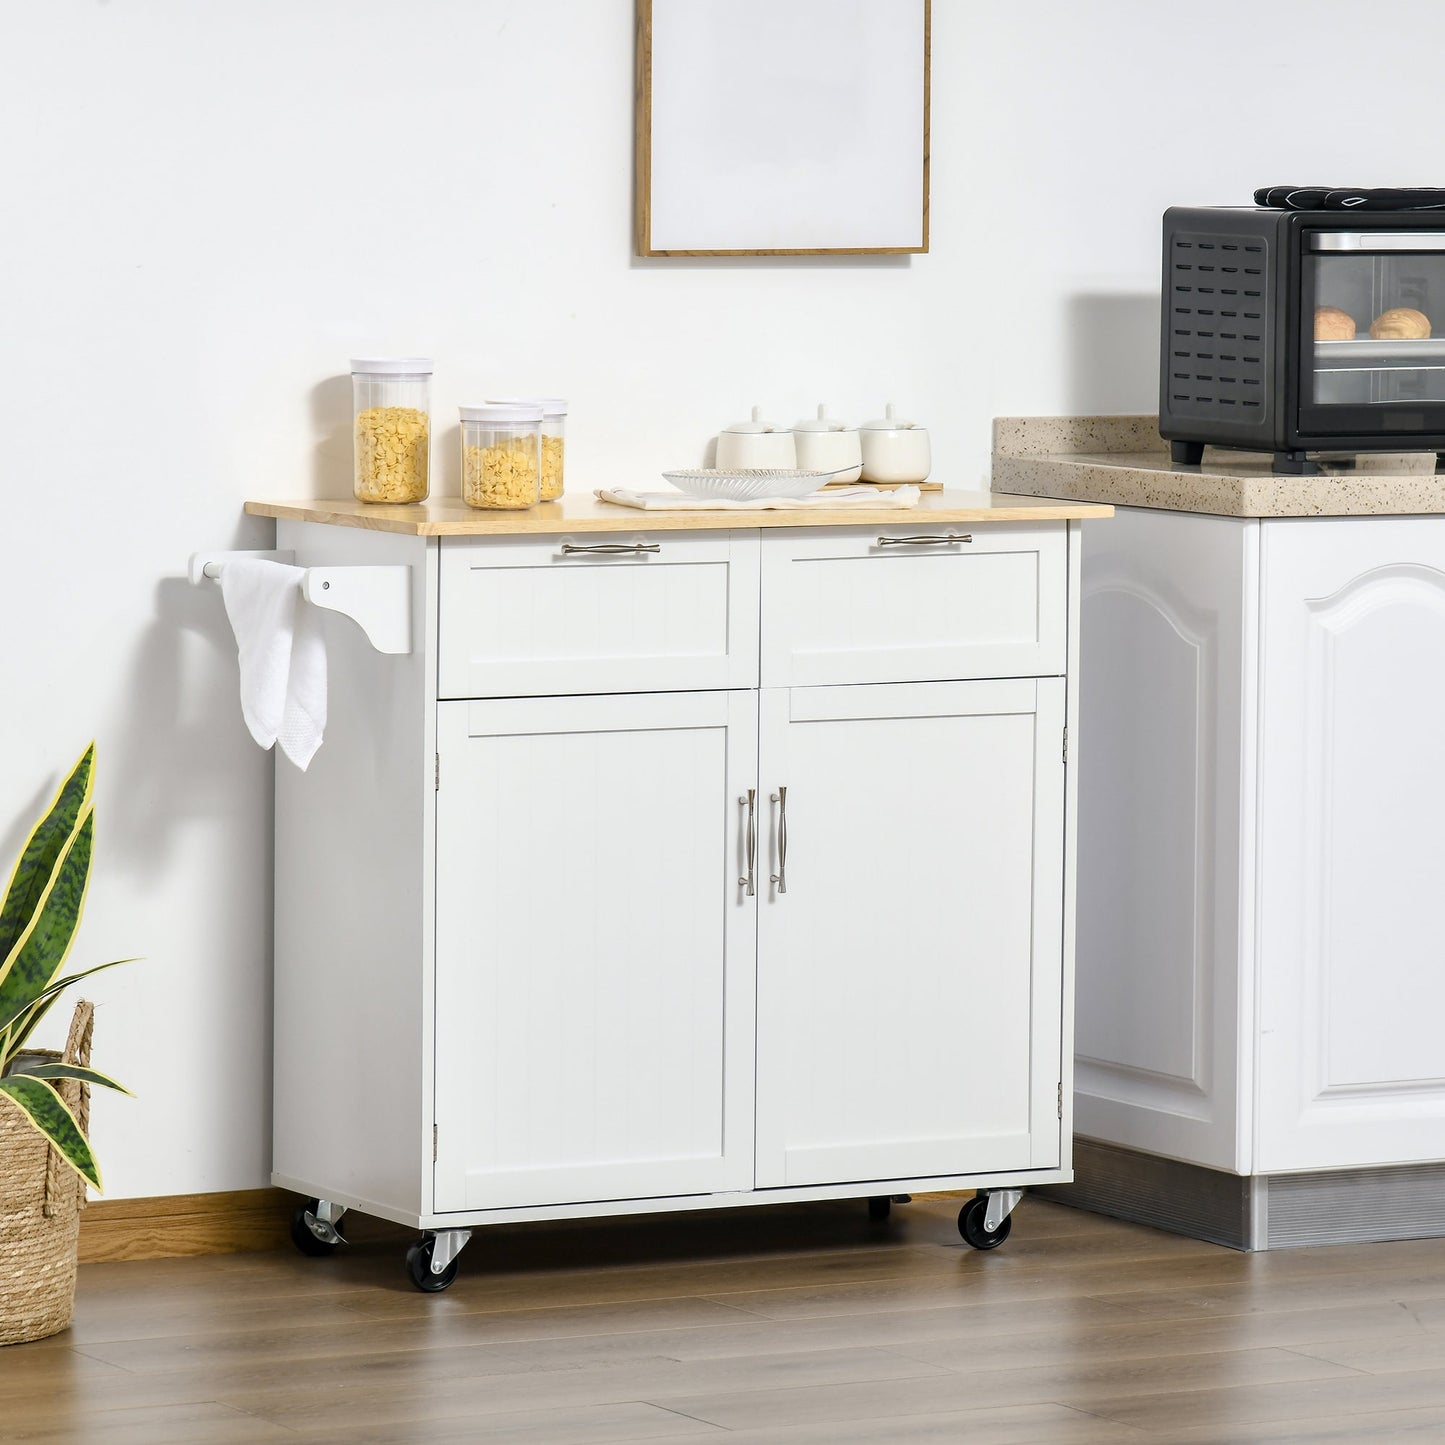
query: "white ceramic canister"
894, 450
755, 443
827, 445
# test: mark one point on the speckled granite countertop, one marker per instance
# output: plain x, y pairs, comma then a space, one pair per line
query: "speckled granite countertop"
1123, 460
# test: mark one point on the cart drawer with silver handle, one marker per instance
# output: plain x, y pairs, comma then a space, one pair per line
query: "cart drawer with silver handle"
541, 616
913, 604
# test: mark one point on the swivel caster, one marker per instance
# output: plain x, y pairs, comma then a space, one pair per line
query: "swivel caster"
431, 1263
313, 1227
985, 1221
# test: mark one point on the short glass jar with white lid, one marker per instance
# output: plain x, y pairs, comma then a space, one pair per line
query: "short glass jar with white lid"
502, 456
554, 428
391, 428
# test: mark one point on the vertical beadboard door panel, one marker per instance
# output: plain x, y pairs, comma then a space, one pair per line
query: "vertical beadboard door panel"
639, 612
595, 952
910, 975
913, 603
1351, 1067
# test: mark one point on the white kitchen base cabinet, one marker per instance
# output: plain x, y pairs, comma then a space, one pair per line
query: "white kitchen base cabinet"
681, 940
1259, 943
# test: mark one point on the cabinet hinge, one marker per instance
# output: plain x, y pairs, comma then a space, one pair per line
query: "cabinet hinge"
437, 775
434, 1142
1066, 745
1061, 1109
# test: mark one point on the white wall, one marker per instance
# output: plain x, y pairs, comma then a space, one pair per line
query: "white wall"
208, 207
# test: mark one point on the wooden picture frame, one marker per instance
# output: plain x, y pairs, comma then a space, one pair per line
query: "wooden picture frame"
747, 145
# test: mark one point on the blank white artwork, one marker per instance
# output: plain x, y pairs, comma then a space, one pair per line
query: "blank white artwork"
782, 125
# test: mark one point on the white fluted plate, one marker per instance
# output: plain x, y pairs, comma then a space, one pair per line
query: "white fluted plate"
748, 484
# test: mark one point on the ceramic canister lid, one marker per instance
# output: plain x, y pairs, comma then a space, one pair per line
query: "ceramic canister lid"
755, 424
889, 422
821, 422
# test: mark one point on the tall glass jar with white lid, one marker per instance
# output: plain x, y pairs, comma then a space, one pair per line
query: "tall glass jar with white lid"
501, 456
554, 439
391, 428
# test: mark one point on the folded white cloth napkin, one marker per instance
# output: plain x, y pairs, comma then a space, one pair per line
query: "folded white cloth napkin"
869, 499
283, 655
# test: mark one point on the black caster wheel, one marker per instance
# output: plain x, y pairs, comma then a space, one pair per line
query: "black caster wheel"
304, 1237
879, 1208
970, 1225
418, 1268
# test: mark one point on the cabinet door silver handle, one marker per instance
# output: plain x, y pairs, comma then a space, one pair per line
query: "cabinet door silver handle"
781, 876
924, 541
752, 801
609, 549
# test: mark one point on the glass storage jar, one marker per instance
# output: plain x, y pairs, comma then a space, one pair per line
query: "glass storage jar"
391, 428
554, 440
501, 456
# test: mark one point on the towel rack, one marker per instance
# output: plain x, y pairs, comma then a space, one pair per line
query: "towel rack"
377, 599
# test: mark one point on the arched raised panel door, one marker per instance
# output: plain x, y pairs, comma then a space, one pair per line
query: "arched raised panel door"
594, 948
1352, 858
911, 931
1144, 930
1160, 706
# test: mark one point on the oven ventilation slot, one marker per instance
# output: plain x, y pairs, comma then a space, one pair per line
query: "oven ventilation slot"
1194, 341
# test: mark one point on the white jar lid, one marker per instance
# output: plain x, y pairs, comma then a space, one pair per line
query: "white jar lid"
822, 422
888, 422
503, 415
552, 406
391, 366
755, 424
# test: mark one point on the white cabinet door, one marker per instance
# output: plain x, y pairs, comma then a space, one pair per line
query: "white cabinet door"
911, 955
1165, 934
594, 969
1352, 851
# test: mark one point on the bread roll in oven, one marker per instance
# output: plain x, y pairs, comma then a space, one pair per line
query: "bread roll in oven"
1401, 323
1332, 324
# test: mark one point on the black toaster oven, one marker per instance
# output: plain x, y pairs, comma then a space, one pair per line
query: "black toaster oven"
1302, 331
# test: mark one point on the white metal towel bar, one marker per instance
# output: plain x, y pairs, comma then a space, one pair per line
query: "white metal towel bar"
377, 599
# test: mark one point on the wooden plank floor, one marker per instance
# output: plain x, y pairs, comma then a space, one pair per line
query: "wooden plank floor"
796, 1325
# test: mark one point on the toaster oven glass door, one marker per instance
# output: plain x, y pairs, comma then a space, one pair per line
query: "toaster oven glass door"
1372, 333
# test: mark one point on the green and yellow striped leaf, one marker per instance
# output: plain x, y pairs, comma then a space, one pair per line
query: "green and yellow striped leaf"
47, 994
39, 952
37, 859
46, 1110
67, 1071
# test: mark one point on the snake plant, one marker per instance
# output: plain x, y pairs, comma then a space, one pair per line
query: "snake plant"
38, 920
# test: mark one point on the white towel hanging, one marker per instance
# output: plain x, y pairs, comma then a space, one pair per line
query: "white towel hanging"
282, 653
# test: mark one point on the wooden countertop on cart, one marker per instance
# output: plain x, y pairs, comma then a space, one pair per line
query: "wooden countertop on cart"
584, 512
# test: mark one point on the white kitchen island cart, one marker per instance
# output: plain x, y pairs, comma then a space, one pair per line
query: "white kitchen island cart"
678, 861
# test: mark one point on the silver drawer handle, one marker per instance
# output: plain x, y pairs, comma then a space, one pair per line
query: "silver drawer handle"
752, 801
610, 549
781, 876
924, 541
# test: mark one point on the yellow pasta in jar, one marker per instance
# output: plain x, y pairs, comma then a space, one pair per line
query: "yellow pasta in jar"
551, 468
504, 474
392, 447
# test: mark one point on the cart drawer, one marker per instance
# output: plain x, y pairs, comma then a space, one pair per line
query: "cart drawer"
913, 604
616, 612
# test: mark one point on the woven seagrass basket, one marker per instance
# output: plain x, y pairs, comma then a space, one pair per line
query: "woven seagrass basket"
40, 1202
